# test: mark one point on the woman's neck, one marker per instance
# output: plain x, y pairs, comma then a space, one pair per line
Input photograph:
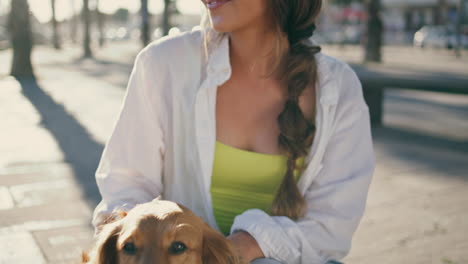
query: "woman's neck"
251, 50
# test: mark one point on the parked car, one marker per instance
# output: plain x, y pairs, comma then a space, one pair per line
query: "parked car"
117, 34
345, 34
438, 37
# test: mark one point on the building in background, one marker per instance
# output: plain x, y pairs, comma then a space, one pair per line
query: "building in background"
403, 18
343, 22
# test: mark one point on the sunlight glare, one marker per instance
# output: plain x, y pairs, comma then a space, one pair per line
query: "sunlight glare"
42, 8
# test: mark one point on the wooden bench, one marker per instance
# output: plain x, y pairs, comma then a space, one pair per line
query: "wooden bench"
375, 80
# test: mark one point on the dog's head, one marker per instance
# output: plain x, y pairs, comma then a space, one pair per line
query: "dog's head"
161, 232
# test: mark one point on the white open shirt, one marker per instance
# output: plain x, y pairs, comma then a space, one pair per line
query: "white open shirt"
164, 140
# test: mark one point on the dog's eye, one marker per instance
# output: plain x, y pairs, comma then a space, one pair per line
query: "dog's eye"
129, 248
177, 248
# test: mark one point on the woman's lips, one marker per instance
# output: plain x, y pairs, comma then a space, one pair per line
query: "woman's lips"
214, 4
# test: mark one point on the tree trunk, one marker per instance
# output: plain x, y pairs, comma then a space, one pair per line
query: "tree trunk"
461, 17
374, 32
100, 24
19, 27
56, 38
165, 18
73, 23
145, 34
87, 30
442, 13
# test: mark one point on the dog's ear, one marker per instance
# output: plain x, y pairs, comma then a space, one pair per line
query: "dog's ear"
106, 250
217, 249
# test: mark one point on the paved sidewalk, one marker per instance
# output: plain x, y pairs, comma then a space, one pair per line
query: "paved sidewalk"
418, 202
54, 130
53, 133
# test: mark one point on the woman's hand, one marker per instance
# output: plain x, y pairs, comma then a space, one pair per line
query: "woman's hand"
246, 246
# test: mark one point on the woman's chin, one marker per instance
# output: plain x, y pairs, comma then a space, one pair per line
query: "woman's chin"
221, 27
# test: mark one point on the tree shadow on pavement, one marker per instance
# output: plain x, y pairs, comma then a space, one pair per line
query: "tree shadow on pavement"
80, 149
114, 72
456, 110
402, 71
444, 156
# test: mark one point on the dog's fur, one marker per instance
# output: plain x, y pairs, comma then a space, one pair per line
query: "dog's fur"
153, 228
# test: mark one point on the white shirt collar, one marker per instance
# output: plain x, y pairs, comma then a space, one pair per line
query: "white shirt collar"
219, 67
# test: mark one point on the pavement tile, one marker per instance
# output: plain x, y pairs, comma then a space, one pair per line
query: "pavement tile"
24, 173
64, 245
22, 132
43, 225
6, 201
413, 218
20, 248
99, 103
33, 194
59, 210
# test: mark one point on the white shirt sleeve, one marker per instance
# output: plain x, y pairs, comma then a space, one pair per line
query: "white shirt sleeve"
336, 198
130, 169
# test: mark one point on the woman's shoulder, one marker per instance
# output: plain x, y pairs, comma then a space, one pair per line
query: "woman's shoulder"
339, 77
173, 49
333, 66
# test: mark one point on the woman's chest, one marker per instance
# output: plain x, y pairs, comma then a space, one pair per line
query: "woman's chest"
247, 114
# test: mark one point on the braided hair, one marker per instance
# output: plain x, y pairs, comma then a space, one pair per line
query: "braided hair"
296, 70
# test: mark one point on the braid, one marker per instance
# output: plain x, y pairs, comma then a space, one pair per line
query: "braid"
298, 70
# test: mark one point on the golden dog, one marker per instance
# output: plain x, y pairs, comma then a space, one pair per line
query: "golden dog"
160, 232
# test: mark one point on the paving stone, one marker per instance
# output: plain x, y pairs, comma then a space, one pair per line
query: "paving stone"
418, 217
6, 201
31, 172
44, 225
39, 193
20, 248
21, 129
59, 210
65, 245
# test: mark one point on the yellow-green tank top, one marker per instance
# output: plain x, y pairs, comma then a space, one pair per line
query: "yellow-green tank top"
243, 180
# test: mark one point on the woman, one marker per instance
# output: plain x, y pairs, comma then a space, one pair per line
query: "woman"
246, 123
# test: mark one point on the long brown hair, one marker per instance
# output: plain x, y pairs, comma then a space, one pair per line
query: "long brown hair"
296, 69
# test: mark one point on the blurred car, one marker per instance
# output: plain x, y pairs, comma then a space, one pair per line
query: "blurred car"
158, 32
438, 37
345, 34
117, 34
